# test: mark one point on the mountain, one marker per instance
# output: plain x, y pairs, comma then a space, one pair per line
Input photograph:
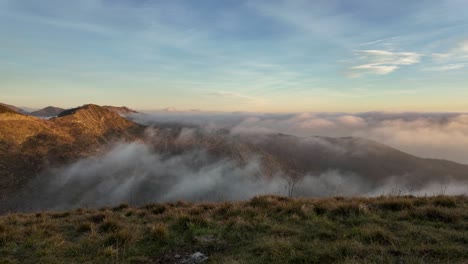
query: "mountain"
121, 110
298, 156
29, 144
49, 111
14, 108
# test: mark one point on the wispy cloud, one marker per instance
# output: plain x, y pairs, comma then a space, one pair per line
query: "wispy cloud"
371, 43
447, 67
459, 52
382, 62
237, 96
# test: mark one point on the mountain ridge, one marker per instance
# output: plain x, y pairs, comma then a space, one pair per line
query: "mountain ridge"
28, 144
15, 108
49, 111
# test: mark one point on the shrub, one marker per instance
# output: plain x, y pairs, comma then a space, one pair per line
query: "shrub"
156, 208
395, 204
376, 234
444, 201
60, 215
120, 238
185, 222
109, 225
97, 218
263, 201
345, 210
158, 231
431, 213
84, 227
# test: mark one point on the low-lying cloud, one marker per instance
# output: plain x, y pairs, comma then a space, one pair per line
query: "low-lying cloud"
134, 173
428, 135
143, 172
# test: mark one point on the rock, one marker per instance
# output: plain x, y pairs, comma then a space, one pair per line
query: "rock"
195, 258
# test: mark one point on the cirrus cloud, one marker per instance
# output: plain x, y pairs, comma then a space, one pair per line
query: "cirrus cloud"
382, 62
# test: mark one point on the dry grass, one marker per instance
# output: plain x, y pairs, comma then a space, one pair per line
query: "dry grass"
266, 229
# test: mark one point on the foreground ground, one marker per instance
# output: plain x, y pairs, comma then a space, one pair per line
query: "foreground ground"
265, 229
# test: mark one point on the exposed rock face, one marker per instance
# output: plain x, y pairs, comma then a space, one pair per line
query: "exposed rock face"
49, 111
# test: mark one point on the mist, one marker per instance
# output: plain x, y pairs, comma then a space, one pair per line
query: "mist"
428, 135
134, 173
194, 170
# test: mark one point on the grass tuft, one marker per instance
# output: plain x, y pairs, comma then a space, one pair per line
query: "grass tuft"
109, 225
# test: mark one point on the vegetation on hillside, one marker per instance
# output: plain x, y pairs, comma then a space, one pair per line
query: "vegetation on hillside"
266, 229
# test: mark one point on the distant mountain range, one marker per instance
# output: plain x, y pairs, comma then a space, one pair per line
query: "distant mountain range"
49, 111
52, 111
30, 145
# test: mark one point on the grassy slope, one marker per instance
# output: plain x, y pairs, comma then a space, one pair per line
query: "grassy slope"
263, 230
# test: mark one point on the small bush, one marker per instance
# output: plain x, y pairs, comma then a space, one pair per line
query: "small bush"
109, 225
345, 210
263, 201
444, 201
60, 215
97, 218
376, 234
158, 231
321, 208
395, 204
120, 238
109, 251
158, 210
184, 223
85, 227
431, 213
130, 212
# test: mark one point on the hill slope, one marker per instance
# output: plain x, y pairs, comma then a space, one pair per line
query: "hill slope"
14, 108
49, 111
29, 144
263, 230
298, 156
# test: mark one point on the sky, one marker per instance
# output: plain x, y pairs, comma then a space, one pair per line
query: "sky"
234, 55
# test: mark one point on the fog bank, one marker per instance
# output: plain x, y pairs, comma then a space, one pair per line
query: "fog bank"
429, 135
135, 174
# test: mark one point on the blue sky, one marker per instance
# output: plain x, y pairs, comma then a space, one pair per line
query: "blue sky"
265, 56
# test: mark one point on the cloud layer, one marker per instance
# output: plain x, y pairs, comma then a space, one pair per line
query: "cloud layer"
134, 173
430, 135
